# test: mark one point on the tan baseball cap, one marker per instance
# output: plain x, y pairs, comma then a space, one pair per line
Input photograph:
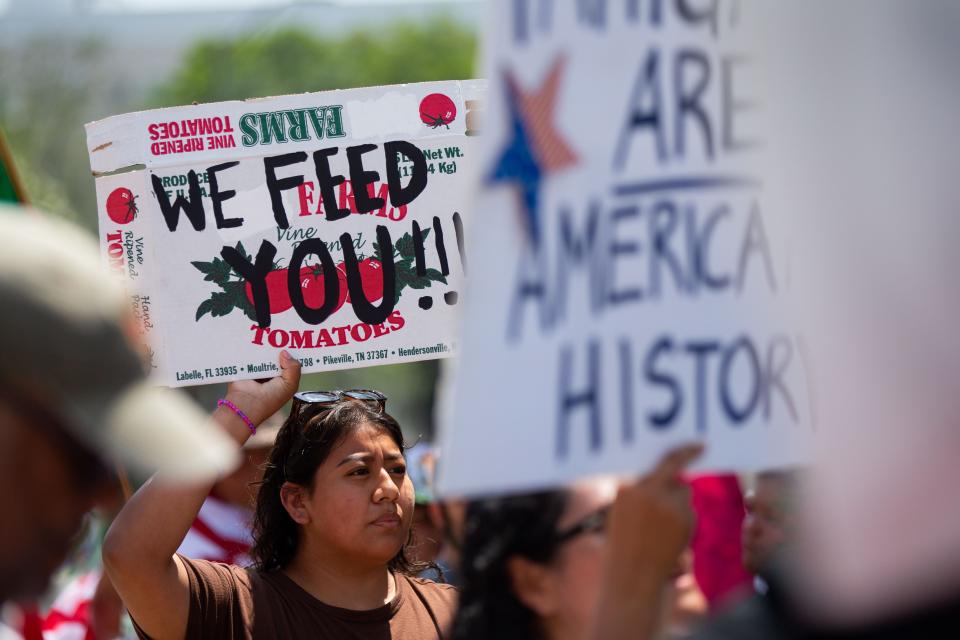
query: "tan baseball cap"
63, 343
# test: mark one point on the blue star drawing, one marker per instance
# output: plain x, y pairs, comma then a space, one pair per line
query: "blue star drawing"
535, 148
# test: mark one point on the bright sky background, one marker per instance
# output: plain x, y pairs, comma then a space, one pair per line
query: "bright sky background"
200, 5
229, 4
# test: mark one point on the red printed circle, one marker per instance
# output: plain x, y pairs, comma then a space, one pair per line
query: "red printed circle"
122, 205
437, 110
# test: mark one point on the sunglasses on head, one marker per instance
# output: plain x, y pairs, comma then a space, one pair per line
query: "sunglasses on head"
325, 400
374, 399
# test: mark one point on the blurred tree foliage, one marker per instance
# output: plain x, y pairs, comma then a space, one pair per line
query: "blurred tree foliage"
50, 88
293, 61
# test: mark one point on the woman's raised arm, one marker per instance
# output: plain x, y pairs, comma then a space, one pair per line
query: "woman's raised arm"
138, 552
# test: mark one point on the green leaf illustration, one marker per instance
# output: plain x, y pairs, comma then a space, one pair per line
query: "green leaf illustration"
436, 276
233, 294
205, 307
405, 245
238, 292
217, 270
414, 281
221, 304
203, 267
220, 272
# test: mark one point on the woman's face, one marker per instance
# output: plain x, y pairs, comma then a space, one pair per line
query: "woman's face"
570, 591
361, 506
577, 567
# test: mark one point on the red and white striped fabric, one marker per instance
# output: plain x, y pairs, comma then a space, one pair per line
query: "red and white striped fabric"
20, 622
69, 616
220, 533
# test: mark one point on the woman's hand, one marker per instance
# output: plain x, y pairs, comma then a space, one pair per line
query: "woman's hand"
651, 521
648, 527
260, 400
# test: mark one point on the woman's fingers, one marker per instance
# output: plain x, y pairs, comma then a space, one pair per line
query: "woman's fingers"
674, 462
260, 400
289, 370
280, 389
651, 520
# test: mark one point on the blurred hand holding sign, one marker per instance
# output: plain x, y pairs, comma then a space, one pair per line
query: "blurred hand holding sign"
329, 224
628, 267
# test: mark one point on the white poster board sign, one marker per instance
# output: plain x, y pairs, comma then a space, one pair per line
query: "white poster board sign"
329, 224
631, 266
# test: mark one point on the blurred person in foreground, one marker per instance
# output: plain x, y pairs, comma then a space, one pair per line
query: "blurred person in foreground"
74, 399
331, 532
867, 177
89, 606
589, 561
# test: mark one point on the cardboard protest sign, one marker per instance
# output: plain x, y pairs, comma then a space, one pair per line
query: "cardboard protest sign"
329, 224
628, 264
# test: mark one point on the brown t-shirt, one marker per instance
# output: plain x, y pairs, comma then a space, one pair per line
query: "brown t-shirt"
227, 601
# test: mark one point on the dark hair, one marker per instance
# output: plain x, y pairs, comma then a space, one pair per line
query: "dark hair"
496, 529
303, 443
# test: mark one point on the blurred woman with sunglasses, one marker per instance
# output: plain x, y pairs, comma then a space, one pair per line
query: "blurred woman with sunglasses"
589, 561
332, 522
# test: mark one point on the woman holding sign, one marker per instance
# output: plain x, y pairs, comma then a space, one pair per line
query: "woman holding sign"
333, 518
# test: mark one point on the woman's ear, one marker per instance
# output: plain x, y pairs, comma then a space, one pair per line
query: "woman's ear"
294, 497
534, 584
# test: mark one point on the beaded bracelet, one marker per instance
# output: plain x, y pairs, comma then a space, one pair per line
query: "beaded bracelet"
223, 402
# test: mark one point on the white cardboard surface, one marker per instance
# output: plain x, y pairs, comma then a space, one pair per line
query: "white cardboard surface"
194, 309
644, 311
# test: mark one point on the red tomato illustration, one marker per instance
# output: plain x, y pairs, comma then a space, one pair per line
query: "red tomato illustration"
312, 282
122, 205
277, 289
371, 275
437, 110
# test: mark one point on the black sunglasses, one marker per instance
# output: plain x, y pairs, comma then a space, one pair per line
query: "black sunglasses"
596, 521
325, 400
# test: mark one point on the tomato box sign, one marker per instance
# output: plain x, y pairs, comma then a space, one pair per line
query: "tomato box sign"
329, 224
